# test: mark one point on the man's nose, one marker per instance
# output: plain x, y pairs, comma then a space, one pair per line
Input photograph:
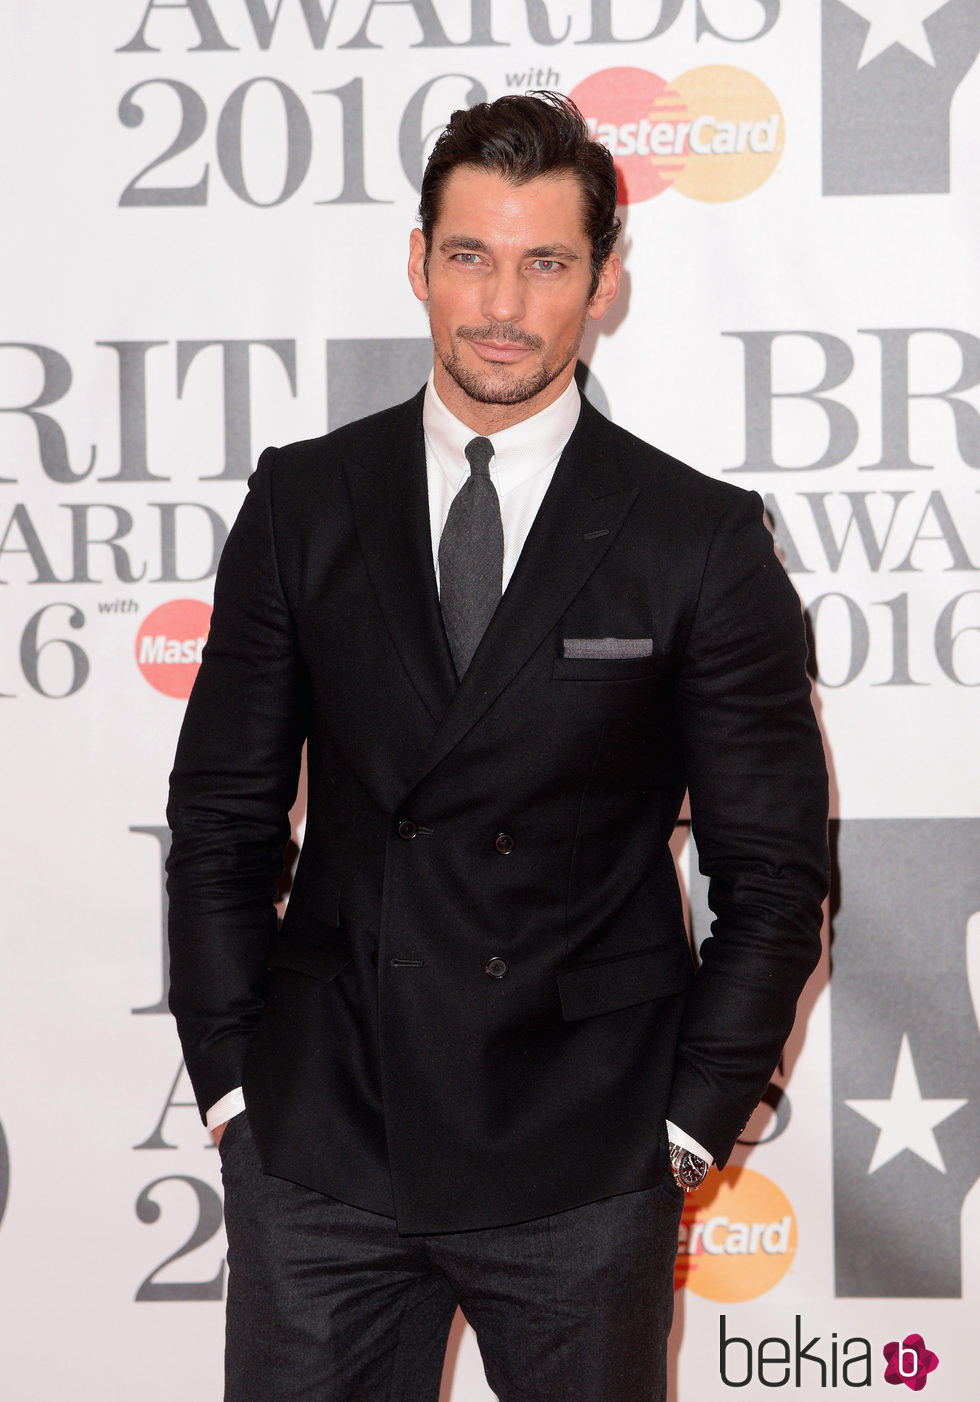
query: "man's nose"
504, 293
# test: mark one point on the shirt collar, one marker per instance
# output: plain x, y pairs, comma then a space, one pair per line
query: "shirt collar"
527, 447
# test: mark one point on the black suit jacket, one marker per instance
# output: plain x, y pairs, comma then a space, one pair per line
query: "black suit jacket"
521, 816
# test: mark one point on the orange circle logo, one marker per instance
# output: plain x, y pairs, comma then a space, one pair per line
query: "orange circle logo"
714, 134
169, 645
737, 1237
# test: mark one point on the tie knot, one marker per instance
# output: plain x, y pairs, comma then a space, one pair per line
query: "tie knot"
478, 452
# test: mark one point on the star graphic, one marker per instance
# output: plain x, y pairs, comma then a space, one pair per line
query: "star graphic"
896, 22
906, 1120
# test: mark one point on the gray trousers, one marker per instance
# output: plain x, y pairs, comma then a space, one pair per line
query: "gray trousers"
327, 1303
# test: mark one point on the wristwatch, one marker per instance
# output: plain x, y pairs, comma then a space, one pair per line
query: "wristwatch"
688, 1170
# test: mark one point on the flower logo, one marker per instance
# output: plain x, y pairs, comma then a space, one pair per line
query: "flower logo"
909, 1362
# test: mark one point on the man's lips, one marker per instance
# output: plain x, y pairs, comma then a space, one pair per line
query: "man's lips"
503, 352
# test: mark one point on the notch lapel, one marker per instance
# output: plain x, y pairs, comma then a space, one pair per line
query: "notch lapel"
389, 498
584, 507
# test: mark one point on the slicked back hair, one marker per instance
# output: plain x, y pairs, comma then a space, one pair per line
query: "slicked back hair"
522, 138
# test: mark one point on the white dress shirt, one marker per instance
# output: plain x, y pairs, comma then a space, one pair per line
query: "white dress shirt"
524, 460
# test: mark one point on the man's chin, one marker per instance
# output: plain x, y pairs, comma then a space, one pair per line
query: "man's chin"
499, 386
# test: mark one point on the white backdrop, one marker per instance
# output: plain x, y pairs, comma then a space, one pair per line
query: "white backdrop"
206, 212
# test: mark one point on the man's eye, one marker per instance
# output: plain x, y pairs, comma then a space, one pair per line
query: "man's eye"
468, 260
547, 265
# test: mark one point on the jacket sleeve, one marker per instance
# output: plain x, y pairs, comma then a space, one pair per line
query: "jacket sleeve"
233, 783
758, 790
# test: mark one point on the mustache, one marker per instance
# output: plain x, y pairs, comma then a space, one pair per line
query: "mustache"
500, 331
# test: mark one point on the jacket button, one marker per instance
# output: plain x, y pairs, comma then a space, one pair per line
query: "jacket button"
407, 829
496, 967
504, 843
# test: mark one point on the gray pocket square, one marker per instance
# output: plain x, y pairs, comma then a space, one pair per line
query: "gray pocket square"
608, 648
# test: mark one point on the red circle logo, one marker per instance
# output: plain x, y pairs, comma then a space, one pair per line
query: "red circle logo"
169, 645
623, 108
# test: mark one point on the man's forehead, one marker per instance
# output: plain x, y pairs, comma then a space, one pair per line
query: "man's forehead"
553, 204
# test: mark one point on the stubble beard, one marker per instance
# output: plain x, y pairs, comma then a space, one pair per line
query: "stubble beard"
494, 386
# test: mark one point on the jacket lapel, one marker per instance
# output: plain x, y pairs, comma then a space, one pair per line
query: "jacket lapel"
389, 497
586, 504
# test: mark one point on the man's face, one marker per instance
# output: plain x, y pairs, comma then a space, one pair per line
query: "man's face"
508, 289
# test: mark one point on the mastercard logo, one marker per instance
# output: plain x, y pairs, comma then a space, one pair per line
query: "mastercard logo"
169, 645
737, 1237
715, 133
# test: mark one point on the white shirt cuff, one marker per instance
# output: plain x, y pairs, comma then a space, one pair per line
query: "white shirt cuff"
677, 1136
226, 1108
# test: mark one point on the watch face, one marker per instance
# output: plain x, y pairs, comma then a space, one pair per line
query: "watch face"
690, 1169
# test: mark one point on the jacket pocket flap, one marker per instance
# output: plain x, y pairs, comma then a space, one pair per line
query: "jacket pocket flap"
318, 902
602, 987
310, 940
311, 954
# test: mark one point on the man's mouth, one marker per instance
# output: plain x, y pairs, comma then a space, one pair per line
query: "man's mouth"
499, 344
503, 352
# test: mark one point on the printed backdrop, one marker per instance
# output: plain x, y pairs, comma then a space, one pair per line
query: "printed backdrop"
206, 213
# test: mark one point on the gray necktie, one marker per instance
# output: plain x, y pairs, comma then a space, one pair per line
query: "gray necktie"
471, 557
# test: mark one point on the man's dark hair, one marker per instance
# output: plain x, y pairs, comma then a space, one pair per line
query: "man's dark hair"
521, 138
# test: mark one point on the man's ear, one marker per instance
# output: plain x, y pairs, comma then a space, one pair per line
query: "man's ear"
608, 289
416, 265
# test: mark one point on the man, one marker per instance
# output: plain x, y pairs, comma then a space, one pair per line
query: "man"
460, 1054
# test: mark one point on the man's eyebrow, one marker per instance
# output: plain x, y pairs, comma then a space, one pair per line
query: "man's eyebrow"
454, 243
553, 250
